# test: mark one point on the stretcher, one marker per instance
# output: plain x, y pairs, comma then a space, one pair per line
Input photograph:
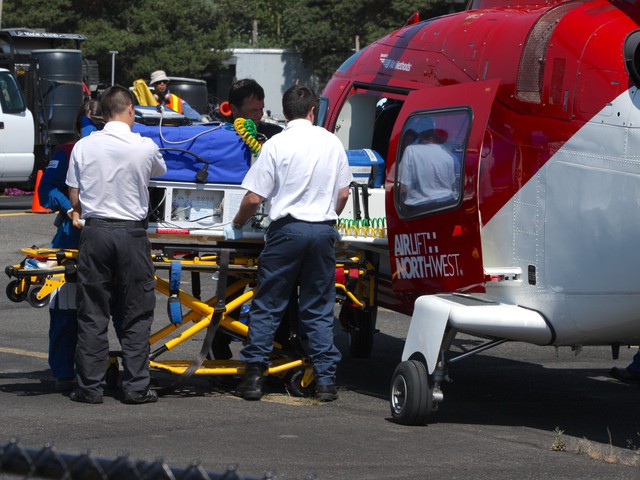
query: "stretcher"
44, 269
41, 272
189, 206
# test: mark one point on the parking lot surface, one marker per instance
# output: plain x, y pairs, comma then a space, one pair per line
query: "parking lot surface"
497, 420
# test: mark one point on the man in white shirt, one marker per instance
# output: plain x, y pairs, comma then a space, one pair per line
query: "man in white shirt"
108, 179
304, 174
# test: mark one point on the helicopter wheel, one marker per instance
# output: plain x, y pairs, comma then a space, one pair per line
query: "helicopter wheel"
411, 398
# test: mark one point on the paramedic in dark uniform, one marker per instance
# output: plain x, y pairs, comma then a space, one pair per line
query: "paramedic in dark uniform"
304, 174
108, 180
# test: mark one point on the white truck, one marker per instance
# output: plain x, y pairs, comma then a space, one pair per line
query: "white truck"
16, 134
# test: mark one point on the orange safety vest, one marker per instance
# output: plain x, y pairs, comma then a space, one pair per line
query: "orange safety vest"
174, 103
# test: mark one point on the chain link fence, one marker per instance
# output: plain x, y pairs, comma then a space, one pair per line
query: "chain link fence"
18, 461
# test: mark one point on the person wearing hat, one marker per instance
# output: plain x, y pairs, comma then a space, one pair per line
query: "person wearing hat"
160, 83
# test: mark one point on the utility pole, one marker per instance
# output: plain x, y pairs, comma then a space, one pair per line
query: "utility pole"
0, 13
254, 33
113, 66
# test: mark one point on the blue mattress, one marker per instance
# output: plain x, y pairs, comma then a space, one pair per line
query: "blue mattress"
227, 154
221, 148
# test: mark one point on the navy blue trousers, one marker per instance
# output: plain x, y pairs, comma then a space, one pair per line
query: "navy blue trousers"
296, 253
63, 333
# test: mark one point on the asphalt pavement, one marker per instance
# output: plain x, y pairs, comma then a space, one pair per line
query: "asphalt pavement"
497, 420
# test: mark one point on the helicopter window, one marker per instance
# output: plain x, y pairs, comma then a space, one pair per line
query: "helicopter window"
429, 172
323, 105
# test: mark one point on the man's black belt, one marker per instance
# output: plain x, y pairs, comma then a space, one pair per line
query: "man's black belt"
289, 219
116, 223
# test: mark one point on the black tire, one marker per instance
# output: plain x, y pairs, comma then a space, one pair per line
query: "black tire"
411, 398
111, 376
35, 302
361, 329
294, 384
13, 292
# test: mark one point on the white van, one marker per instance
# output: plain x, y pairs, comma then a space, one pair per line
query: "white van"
16, 135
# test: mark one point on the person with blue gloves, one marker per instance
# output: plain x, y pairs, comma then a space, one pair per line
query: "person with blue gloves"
304, 174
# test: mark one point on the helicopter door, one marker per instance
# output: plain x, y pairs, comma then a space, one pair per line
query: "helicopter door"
432, 189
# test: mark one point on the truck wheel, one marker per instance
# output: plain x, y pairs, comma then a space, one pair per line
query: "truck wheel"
411, 398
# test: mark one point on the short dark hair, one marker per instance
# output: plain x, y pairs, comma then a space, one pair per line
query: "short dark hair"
245, 88
115, 100
297, 101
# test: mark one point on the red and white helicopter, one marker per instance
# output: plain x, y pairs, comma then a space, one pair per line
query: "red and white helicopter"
538, 104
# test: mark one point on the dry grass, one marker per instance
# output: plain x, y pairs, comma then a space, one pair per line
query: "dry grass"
609, 453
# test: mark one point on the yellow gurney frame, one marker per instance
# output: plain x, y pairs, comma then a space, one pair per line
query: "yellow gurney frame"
37, 284
289, 364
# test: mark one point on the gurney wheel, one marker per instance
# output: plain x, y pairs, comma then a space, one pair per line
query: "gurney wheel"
111, 376
35, 302
294, 384
360, 325
13, 292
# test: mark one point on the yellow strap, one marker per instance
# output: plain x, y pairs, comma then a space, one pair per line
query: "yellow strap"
143, 94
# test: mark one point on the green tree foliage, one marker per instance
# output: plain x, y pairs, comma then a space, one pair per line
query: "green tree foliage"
37, 14
325, 31
174, 36
182, 38
191, 38
269, 15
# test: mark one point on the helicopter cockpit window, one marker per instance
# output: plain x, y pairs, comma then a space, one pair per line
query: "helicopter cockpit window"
430, 165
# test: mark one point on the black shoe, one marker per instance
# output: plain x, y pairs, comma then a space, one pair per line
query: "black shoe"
64, 385
250, 388
138, 398
82, 397
625, 375
327, 393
